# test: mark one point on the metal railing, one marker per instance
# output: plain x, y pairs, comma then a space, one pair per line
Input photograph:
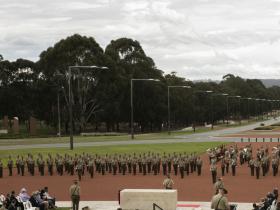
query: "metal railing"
156, 207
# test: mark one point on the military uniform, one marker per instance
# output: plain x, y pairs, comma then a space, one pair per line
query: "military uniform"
233, 166
223, 166
90, 167
275, 163
50, 165
175, 165
213, 169
252, 166
181, 166
21, 165
18, 165
10, 166
257, 168
144, 165
199, 166
1, 169
79, 169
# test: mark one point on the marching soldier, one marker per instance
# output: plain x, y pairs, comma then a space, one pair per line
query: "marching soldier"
102, 166
192, 163
213, 169
71, 166
91, 167
50, 165
134, 165
10, 166
169, 160
21, 165
175, 164
114, 165
79, 169
241, 157
155, 165
187, 165
275, 163
18, 165
164, 165
199, 165
60, 166
252, 166
140, 163
181, 166
233, 166
223, 166
149, 162
123, 165
31, 164
1, 169
257, 167
144, 165
227, 161
263, 165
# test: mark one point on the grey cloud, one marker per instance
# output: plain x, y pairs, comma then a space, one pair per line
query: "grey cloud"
196, 38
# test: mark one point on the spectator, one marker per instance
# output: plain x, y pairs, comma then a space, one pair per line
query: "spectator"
220, 201
45, 196
37, 201
275, 193
23, 195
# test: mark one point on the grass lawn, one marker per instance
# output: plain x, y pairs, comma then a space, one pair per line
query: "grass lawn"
199, 147
125, 137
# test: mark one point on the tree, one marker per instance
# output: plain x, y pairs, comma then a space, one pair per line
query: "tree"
81, 51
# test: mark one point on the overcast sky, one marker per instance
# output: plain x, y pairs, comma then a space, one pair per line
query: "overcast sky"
199, 39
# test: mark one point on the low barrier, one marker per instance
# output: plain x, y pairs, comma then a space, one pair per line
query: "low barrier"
260, 139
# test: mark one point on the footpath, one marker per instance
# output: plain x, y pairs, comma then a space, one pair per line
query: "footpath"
182, 205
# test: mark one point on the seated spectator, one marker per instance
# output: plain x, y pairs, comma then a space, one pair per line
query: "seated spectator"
37, 201
45, 196
23, 195
275, 193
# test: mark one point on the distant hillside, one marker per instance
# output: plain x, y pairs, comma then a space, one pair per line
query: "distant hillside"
271, 82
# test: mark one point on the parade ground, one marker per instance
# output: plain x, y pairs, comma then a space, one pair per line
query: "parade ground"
242, 187
194, 192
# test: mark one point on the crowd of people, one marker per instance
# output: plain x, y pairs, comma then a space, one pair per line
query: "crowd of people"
259, 162
270, 202
144, 163
39, 199
228, 158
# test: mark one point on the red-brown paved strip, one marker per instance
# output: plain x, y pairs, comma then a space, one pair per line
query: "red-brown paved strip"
242, 188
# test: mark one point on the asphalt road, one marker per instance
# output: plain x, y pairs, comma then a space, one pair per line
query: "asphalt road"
196, 137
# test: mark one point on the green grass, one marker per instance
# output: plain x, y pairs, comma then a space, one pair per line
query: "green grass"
199, 147
125, 137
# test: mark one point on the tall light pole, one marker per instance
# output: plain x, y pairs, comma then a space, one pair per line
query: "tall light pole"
168, 101
227, 100
131, 102
202, 91
217, 94
70, 68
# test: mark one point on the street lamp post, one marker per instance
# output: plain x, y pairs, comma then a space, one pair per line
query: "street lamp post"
202, 91
227, 100
70, 68
168, 102
218, 94
131, 102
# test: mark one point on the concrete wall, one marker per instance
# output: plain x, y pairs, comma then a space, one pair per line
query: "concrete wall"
143, 199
